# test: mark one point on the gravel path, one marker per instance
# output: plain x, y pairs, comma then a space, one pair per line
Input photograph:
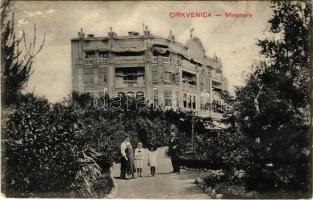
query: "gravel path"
163, 185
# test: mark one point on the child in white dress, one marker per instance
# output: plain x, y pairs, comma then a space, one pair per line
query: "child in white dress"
139, 156
152, 159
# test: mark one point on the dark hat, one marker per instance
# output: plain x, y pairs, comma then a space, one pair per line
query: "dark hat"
153, 146
126, 136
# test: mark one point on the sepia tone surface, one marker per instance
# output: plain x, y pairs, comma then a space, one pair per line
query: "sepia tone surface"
237, 34
157, 99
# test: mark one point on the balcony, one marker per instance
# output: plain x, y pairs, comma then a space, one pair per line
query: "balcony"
131, 83
128, 59
120, 83
91, 61
216, 85
189, 83
160, 59
217, 77
189, 80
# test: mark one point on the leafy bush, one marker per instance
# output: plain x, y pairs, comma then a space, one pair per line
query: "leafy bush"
63, 149
219, 184
221, 149
44, 155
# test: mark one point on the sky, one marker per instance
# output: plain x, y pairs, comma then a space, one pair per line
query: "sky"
232, 39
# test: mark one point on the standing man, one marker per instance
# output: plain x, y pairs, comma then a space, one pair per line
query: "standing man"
124, 158
173, 152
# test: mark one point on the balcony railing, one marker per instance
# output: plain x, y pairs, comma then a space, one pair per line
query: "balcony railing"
217, 77
129, 83
128, 59
188, 85
90, 61
216, 84
191, 82
161, 59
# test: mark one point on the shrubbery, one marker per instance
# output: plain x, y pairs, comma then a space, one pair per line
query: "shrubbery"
272, 111
66, 149
43, 153
225, 155
224, 149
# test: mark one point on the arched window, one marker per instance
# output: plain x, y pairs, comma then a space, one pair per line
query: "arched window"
185, 100
189, 101
121, 94
140, 94
130, 94
168, 97
194, 102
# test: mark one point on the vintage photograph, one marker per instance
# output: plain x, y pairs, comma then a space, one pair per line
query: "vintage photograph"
156, 99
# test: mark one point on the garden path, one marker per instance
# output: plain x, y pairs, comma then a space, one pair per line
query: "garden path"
163, 185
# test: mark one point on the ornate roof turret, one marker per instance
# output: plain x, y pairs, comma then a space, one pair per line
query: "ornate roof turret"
171, 37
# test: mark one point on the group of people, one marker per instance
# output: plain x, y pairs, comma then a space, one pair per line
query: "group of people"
132, 161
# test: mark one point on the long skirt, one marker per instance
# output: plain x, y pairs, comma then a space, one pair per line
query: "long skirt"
123, 168
130, 166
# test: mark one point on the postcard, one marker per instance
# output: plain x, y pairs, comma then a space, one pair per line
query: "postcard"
156, 99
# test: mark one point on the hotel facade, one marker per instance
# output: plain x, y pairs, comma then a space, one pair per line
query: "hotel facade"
167, 73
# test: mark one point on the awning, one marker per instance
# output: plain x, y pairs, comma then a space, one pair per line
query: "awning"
99, 48
128, 49
96, 48
219, 125
160, 50
216, 126
121, 74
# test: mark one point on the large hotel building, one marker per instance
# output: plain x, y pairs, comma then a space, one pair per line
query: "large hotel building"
167, 73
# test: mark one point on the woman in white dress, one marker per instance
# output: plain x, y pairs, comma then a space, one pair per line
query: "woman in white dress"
139, 156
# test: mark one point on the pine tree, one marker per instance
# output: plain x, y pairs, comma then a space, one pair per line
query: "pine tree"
273, 108
16, 65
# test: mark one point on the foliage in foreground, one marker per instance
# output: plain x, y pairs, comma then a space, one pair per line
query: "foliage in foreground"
272, 109
44, 155
66, 149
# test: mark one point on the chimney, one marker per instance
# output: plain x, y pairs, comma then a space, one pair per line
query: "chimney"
171, 37
111, 33
146, 32
81, 34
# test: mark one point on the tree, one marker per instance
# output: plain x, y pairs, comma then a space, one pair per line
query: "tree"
273, 107
16, 64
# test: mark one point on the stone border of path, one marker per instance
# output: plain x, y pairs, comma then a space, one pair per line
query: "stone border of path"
114, 189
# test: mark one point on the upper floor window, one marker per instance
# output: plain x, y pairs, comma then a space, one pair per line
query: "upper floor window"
155, 74
103, 54
88, 75
189, 78
129, 53
90, 54
160, 50
102, 75
168, 76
